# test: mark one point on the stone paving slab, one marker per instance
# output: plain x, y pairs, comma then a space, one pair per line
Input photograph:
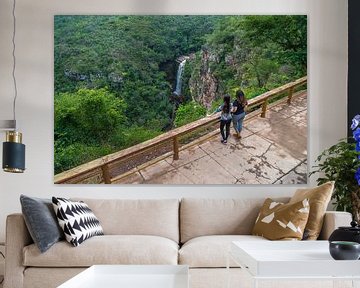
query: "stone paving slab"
186, 156
206, 171
280, 159
235, 161
213, 144
255, 145
272, 150
290, 136
171, 177
156, 169
301, 116
295, 176
258, 124
134, 178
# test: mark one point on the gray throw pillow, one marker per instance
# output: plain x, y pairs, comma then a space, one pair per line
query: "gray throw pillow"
41, 221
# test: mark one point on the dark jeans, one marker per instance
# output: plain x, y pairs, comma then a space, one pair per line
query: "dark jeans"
224, 123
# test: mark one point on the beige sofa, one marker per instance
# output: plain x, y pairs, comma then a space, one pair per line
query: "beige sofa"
194, 232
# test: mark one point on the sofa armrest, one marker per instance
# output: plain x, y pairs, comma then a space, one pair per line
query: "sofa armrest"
17, 237
333, 220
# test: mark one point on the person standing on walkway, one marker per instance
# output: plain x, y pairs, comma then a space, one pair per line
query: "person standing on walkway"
225, 118
238, 116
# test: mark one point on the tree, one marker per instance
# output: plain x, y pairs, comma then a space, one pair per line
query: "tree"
189, 112
87, 116
289, 32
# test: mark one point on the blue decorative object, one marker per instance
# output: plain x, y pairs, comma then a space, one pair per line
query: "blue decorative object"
355, 126
357, 176
355, 122
356, 134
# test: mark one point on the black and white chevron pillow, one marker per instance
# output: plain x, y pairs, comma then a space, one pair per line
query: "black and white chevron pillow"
77, 220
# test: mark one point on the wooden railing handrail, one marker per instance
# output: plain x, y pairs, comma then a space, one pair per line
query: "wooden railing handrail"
103, 162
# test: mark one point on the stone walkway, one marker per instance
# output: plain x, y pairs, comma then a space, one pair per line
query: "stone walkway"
273, 150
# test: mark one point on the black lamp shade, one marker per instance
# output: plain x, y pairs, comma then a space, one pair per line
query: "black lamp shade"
13, 157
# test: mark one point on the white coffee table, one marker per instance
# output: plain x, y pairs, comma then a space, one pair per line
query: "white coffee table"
131, 276
293, 260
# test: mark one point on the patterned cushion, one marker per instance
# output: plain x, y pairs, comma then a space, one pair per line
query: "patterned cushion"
77, 220
319, 198
279, 221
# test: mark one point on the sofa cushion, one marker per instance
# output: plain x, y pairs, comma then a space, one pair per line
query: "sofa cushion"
211, 251
279, 221
158, 217
41, 221
201, 217
77, 220
319, 198
107, 249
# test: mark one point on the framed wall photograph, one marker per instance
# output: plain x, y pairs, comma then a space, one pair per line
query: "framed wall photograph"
180, 99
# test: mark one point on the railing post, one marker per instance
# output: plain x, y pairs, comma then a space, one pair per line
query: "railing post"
291, 91
176, 148
106, 174
264, 108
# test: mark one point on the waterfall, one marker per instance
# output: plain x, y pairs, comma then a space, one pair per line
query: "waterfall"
178, 78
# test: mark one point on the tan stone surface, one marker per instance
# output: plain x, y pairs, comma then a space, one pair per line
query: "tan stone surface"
280, 159
263, 172
258, 124
255, 145
297, 175
274, 117
301, 116
134, 178
213, 144
156, 169
234, 140
186, 156
235, 161
290, 135
206, 171
171, 177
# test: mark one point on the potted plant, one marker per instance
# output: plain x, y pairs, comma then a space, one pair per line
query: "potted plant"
341, 163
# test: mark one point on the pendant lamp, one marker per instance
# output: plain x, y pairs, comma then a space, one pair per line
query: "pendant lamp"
13, 149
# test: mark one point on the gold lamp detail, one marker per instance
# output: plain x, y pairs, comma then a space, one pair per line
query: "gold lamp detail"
13, 149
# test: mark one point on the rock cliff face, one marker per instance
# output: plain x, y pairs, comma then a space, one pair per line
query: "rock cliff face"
202, 83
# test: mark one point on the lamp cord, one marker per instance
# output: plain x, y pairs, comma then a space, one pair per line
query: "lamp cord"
14, 60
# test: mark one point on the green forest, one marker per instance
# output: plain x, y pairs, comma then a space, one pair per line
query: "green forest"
117, 77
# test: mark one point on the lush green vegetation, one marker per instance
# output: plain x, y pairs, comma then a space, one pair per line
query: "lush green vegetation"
189, 112
114, 75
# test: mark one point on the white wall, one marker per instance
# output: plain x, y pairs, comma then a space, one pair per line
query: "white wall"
327, 88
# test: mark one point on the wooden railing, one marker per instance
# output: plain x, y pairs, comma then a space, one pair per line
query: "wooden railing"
101, 165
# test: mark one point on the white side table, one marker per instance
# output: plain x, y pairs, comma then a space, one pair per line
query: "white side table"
294, 262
